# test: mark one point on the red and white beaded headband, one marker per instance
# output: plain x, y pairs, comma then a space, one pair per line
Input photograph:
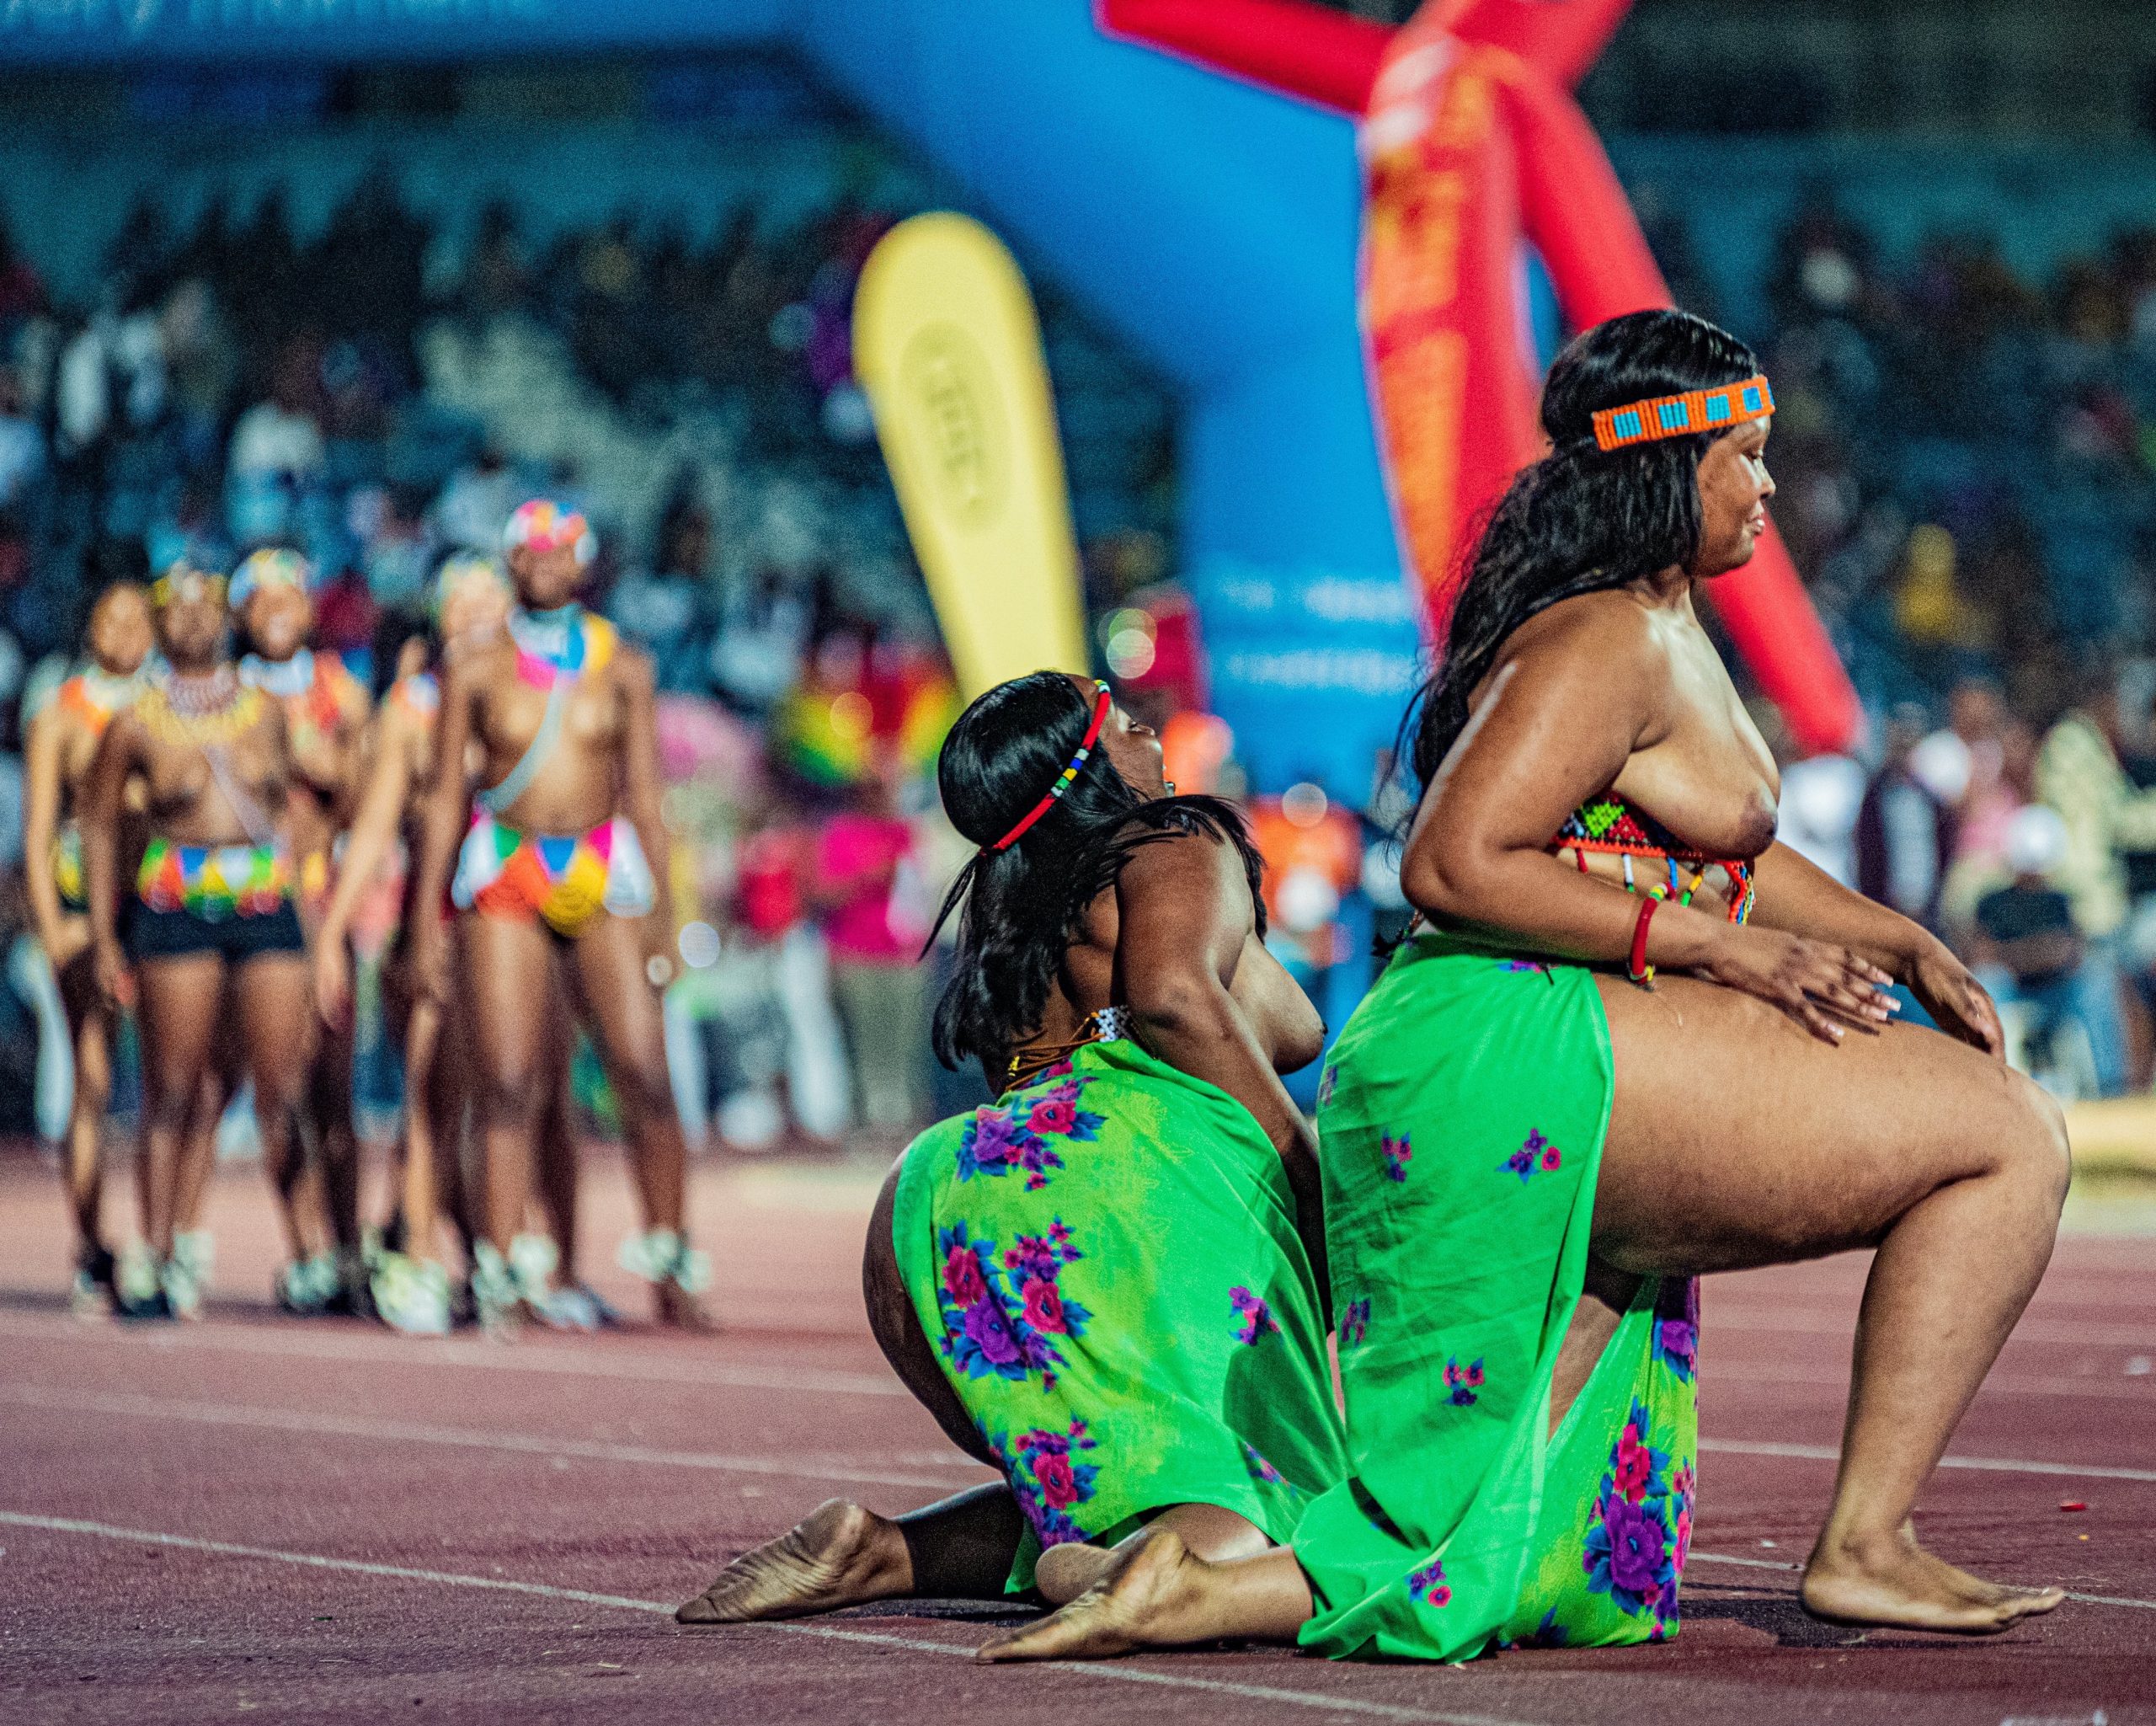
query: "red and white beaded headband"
1676, 416
1069, 775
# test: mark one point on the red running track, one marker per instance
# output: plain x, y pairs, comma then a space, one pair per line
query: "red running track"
309, 1521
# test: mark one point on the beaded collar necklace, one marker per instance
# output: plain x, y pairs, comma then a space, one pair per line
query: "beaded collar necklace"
202, 709
282, 678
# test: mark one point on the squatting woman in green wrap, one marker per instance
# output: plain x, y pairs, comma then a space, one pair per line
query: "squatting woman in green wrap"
1108, 1285
1632, 1039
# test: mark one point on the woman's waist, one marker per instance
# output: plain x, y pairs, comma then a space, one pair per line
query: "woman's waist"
529, 819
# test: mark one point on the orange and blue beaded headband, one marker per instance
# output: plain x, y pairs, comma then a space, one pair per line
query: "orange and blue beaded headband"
1679, 416
1069, 775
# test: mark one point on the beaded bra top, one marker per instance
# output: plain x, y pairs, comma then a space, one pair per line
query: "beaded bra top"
1609, 824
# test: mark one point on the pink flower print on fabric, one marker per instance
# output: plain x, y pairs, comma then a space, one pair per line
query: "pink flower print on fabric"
1049, 1480
1354, 1322
999, 1315
1057, 1113
1398, 1154
1254, 1316
1536, 1155
1464, 1382
1428, 1584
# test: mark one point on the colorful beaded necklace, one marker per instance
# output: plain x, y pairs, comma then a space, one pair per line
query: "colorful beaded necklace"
200, 709
93, 696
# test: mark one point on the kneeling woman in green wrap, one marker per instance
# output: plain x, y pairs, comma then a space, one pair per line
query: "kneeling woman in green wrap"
1107, 1285
1632, 1039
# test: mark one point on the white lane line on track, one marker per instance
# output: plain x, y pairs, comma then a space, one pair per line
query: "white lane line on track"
1997, 1465
450, 1578
2093, 1599
802, 1467
568, 1360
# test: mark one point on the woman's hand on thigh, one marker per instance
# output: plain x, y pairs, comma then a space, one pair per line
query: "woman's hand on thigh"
1822, 987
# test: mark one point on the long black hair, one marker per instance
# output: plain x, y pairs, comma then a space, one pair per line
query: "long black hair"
1023, 905
1582, 519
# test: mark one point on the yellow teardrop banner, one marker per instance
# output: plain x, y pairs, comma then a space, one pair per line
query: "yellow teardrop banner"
946, 343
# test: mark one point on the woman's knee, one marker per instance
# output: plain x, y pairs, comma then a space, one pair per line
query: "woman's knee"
2033, 1147
513, 1095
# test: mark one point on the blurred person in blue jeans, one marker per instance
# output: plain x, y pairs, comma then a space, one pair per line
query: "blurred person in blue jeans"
2031, 955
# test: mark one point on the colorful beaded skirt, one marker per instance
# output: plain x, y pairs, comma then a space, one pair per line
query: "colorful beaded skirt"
214, 881
565, 881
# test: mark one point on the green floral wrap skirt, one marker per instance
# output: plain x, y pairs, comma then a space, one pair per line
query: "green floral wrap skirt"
1105, 1259
1461, 1117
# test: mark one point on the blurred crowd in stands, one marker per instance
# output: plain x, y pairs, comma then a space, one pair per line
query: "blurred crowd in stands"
1965, 461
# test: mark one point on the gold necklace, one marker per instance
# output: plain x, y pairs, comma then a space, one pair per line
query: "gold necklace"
213, 710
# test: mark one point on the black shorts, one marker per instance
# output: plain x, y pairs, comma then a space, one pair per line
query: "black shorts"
177, 934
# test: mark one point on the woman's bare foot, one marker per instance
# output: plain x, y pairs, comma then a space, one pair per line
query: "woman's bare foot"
1152, 1594
1896, 1582
839, 1555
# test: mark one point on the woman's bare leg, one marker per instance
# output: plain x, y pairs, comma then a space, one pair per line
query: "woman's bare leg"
560, 1170
334, 1135
178, 1000
89, 1027
621, 1007
272, 992
1953, 1166
508, 965
1207, 1532
418, 1183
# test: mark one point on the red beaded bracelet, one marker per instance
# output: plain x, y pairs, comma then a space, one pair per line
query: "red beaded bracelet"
1639, 970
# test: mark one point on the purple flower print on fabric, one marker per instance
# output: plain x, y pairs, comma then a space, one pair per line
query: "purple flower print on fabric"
999, 1313
1398, 1154
1254, 1319
1537, 1156
1464, 1382
1628, 1552
995, 1142
1677, 1328
1428, 1584
1354, 1322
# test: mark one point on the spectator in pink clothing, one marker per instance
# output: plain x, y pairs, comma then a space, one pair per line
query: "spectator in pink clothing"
868, 889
